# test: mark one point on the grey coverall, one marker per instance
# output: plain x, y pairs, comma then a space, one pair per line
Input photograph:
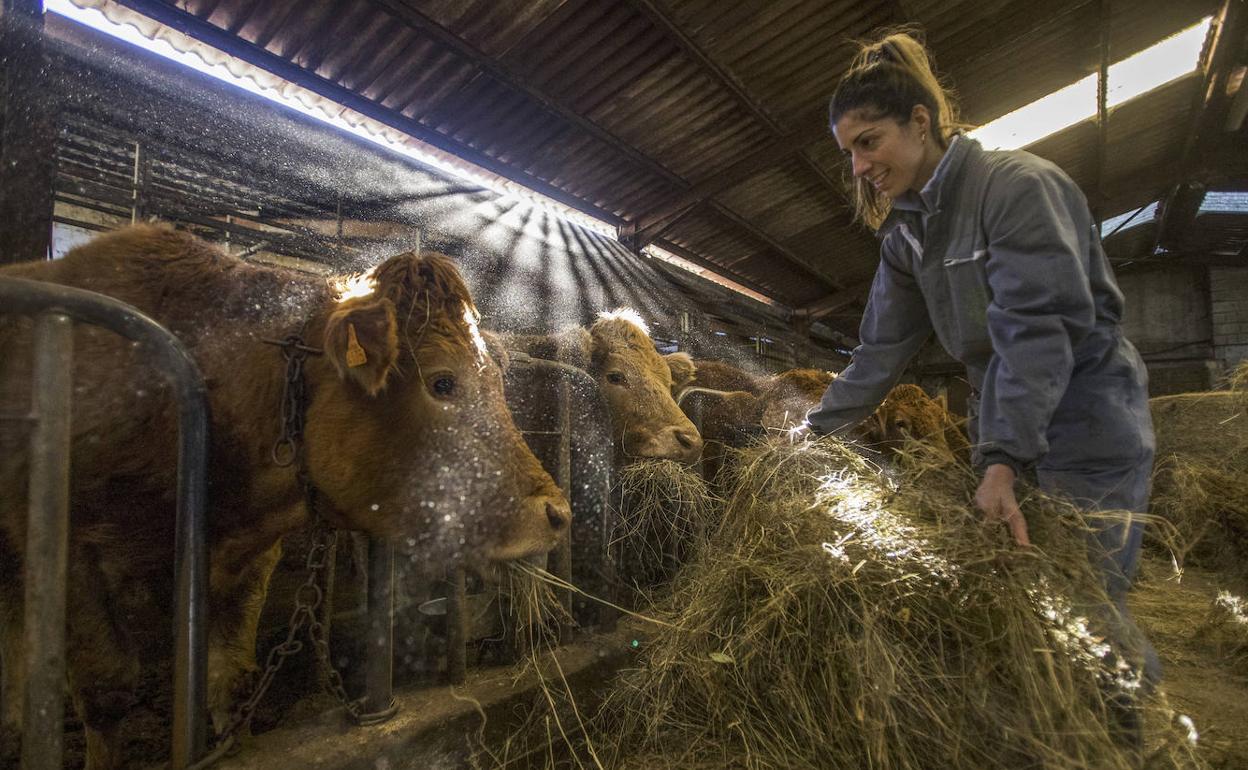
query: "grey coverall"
999, 255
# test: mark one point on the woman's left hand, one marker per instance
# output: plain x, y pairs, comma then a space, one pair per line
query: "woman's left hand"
995, 497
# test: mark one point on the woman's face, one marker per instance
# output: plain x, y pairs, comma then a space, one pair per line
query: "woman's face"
891, 156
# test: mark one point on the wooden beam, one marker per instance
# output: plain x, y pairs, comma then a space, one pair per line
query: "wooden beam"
810, 129
1226, 39
407, 13
733, 84
773, 244
691, 49
703, 262
834, 302
27, 139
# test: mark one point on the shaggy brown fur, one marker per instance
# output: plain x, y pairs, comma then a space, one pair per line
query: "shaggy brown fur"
783, 400
635, 380
909, 413
416, 440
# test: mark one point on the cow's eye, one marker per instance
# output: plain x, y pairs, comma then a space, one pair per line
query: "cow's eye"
616, 378
444, 386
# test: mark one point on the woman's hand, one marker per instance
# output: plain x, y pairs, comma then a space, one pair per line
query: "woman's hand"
995, 497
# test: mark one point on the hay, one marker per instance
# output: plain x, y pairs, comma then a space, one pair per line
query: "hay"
664, 510
1207, 502
1237, 379
833, 619
1226, 628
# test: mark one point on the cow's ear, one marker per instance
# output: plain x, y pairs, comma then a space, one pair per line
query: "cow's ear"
362, 341
575, 346
684, 371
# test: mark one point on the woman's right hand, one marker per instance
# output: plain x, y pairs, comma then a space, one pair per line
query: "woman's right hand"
995, 497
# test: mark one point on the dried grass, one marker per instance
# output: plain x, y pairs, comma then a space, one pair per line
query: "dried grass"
837, 619
665, 510
1207, 503
1226, 627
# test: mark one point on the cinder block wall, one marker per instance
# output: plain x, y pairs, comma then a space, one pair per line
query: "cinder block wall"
1228, 301
1169, 319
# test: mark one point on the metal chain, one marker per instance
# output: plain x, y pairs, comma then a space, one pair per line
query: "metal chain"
308, 597
286, 450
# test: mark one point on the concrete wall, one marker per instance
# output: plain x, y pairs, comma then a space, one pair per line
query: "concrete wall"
1228, 300
1168, 319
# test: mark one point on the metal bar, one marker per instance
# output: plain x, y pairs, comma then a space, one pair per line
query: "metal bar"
456, 627
379, 671
327, 581
562, 561
47, 544
694, 412
1102, 114
21, 296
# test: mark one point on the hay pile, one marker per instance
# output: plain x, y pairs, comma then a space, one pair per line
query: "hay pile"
1201, 481
664, 510
833, 619
1226, 627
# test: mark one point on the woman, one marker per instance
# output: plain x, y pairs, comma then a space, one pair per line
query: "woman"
998, 254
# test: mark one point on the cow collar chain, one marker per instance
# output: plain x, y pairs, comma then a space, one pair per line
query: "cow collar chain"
287, 451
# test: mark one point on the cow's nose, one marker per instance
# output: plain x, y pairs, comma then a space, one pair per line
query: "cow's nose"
558, 515
686, 439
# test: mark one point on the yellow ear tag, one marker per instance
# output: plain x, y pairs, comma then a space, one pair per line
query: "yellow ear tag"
355, 352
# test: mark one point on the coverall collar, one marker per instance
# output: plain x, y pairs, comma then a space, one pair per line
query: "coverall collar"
927, 200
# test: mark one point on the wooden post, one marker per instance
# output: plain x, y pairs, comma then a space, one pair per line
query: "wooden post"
27, 137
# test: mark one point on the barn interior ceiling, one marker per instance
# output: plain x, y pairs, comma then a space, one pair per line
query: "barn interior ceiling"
700, 126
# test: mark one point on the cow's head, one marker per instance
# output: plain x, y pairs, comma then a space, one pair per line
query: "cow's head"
789, 395
907, 412
637, 383
407, 430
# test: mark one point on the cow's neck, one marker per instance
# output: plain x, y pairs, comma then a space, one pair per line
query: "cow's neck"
246, 405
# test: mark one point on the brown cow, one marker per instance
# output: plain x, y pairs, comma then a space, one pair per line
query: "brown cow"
909, 413
780, 401
783, 400
407, 433
636, 381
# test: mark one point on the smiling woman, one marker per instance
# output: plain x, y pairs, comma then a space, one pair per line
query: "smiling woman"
997, 253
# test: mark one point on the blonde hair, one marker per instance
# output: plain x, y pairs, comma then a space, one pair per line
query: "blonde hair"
886, 79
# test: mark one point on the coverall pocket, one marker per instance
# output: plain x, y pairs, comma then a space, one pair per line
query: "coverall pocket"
969, 296
1097, 424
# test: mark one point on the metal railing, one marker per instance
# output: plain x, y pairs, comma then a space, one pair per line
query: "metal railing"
570, 434
55, 309
582, 469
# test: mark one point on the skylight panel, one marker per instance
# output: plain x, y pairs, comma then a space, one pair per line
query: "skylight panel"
1129, 219
1155, 66
1226, 202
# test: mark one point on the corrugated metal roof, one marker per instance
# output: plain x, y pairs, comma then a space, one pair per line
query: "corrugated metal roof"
699, 123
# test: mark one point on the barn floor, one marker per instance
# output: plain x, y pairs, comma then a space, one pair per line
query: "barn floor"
1198, 682
434, 730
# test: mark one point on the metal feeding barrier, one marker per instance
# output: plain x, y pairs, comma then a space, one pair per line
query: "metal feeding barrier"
570, 433
563, 418
55, 309
571, 436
